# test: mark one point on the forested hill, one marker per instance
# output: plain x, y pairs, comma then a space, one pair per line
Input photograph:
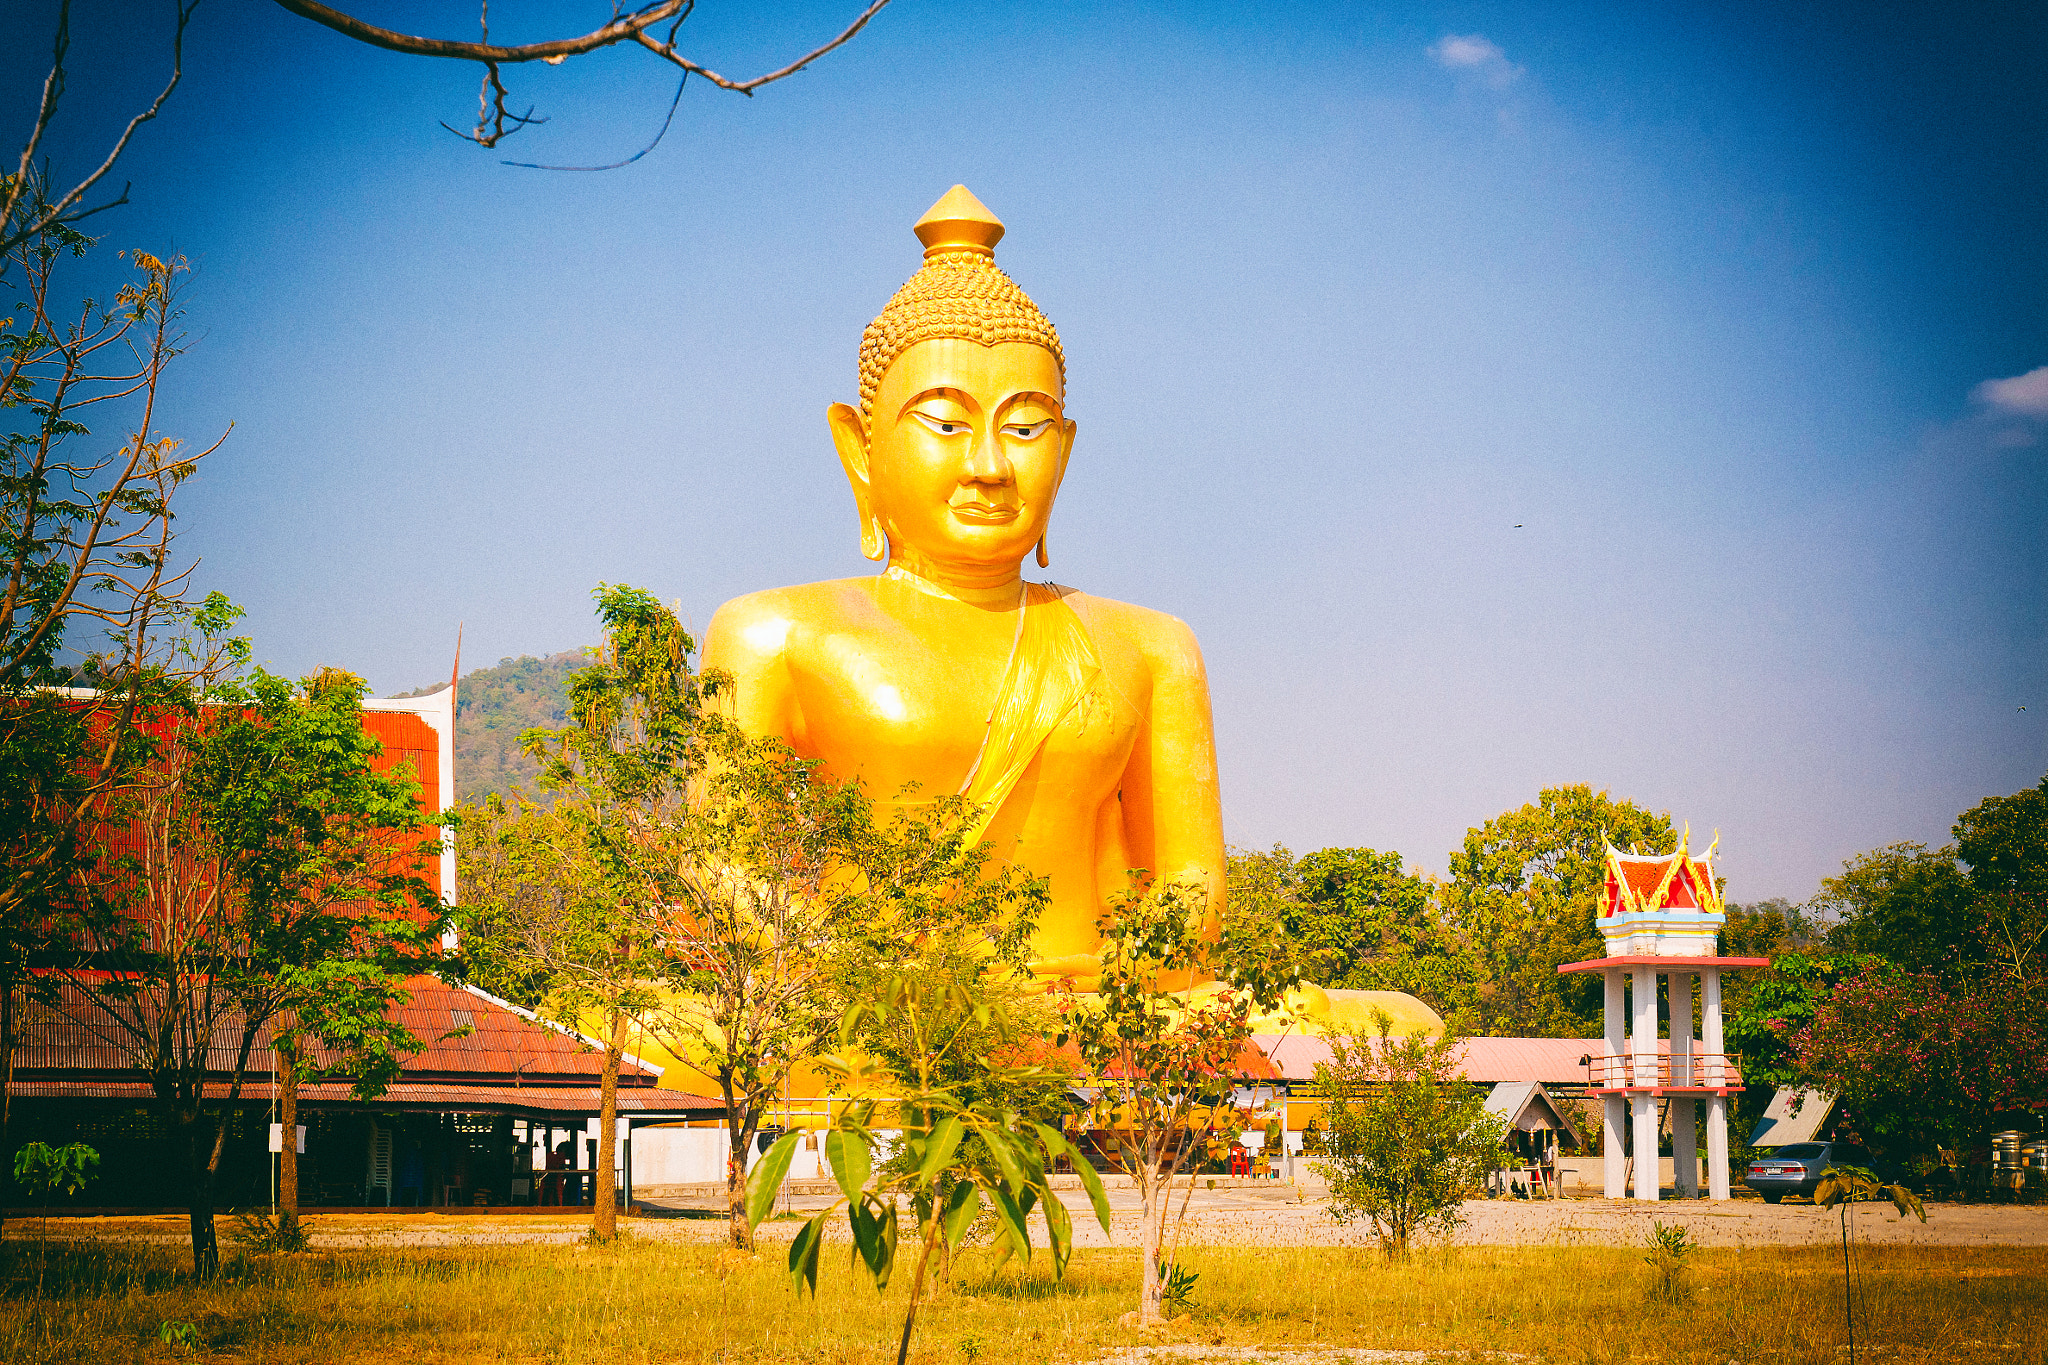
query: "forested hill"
493, 707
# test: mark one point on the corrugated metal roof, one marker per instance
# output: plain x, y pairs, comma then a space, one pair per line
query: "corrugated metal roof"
1554, 1061
79, 1038
549, 1099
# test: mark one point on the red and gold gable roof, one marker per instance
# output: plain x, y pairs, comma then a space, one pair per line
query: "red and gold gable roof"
1660, 881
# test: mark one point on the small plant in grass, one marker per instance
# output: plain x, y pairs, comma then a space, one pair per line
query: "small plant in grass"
52, 1170
971, 1347
963, 1147
1841, 1186
1177, 1295
1668, 1249
258, 1231
179, 1336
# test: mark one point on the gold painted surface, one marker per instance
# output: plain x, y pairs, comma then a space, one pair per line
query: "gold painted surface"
1082, 723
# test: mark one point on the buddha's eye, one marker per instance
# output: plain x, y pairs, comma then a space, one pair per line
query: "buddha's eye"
945, 426
1025, 431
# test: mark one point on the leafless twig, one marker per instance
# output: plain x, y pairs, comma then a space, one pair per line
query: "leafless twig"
15, 189
494, 121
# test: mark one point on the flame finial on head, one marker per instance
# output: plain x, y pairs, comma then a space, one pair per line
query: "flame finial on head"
959, 292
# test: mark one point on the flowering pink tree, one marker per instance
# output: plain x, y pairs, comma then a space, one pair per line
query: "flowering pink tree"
1923, 1057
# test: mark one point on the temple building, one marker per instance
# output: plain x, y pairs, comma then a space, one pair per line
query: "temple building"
499, 1108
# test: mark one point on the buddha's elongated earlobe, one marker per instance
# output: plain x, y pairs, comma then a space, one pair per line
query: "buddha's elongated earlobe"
850, 439
1043, 561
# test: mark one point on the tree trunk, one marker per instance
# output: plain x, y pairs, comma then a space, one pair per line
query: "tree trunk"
6, 1076
288, 1154
739, 1133
1151, 1291
202, 1158
604, 1222
932, 1234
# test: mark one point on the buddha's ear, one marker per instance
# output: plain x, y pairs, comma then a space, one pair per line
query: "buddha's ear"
850, 439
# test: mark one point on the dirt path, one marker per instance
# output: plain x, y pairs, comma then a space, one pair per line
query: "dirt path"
1235, 1217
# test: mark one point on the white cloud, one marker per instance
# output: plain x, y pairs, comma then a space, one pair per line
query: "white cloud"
1477, 54
2023, 395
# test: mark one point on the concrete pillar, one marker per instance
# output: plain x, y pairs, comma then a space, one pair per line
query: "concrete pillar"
1643, 1056
1717, 1105
1614, 1115
1685, 1166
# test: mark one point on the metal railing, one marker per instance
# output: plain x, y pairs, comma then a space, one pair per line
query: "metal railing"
1665, 1071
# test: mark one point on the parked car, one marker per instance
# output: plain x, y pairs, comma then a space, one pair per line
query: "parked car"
1795, 1168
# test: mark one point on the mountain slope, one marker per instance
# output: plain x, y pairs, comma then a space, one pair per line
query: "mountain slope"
493, 707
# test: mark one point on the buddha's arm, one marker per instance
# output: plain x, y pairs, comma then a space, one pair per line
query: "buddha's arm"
748, 641
1173, 811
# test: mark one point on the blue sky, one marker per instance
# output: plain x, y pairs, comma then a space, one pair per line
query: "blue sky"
1649, 396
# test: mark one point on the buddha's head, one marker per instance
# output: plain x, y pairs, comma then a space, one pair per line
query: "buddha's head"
960, 441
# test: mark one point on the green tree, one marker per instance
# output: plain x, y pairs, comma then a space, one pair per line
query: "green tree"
1906, 903
1764, 1022
570, 900
1770, 928
1939, 1026
1356, 918
2004, 842
785, 898
325, 857
1166, 1058
264, 849
1524, 892
1407, 1140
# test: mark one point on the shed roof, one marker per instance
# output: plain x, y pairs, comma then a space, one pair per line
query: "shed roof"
1792, 1116
1554, 1061
1527, 1105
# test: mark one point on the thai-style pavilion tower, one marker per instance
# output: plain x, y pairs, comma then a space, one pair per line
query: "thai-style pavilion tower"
1661, 916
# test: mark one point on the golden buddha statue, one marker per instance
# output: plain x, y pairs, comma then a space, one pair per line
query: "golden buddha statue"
1078, 725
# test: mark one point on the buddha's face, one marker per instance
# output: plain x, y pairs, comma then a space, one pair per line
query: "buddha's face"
963, 454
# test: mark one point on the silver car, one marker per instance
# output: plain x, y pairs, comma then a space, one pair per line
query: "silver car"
1795, 1168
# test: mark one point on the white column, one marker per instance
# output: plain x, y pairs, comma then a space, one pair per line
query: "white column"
1643, 1050
1685, 1166
1717, 1105
1614, 1116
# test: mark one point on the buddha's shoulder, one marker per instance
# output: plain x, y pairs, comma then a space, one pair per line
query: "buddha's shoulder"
1159, 635
757, 626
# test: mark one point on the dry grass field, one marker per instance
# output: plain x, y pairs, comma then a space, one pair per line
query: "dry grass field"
667, 1300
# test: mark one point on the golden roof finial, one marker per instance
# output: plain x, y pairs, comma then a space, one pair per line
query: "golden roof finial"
959, 222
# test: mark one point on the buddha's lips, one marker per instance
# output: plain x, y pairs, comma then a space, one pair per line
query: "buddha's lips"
987, 512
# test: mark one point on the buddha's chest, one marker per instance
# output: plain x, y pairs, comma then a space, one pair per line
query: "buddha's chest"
897, 706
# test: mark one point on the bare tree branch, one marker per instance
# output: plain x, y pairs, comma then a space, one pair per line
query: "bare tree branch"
494, 121
617, 31
615, 165
64, 209
668, 51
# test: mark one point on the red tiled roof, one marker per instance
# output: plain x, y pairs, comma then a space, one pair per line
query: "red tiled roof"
502, 1045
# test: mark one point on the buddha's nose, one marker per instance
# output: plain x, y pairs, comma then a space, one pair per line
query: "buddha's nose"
986, 462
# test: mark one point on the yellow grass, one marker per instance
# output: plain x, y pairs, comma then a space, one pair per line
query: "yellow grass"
651, 1301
